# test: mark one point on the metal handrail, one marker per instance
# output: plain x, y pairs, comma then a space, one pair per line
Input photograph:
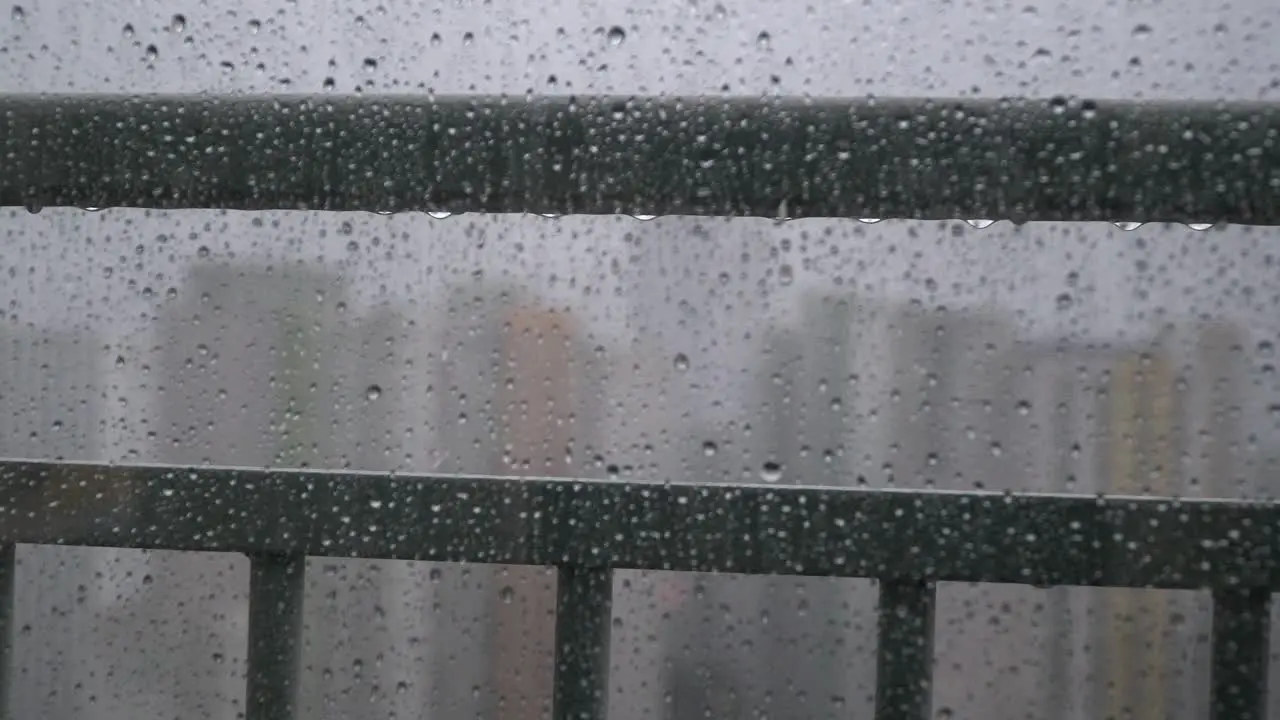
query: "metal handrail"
908, 540
1018, 159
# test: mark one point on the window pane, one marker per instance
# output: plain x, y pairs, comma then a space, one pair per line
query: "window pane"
1077, 358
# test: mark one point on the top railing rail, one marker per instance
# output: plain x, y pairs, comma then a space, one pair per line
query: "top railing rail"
869, 158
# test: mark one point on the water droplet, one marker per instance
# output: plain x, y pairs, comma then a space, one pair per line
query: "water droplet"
786, 275
370, 64
91, 208
1127, 225
1024, 407
151, 53
18, 14
1200, 227
617, 35
434, 575
373, 392
439, 214
468, 38
177, 23
1141, 30
507, 594
1064, 301
644, 218
127, 30
763, 40
771, 472
980, 223
255, 26
33, 206
202, 251
375, 503
709, 448
436, 40
870, 221
681, 362
997, 449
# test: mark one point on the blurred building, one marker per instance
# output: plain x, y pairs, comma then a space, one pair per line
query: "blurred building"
518, 393
258, 368
50, 389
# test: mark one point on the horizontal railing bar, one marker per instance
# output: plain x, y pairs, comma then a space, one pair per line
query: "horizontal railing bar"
761, 529
1052, 159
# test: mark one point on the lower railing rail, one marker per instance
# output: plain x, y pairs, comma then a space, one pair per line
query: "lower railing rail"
907, 540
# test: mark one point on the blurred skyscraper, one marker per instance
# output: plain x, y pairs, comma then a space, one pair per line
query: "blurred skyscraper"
51, 395
518, 394
258, 367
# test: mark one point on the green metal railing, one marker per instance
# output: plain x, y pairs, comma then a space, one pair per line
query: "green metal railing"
1056, 159
907, 540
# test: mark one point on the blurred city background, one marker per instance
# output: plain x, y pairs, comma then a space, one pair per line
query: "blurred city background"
1050, 357
1061, 358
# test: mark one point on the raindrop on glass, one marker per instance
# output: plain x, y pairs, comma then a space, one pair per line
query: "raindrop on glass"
682, 362
617, 35
373, 392
771, 472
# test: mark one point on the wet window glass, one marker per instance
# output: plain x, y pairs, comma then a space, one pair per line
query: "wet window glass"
845, 454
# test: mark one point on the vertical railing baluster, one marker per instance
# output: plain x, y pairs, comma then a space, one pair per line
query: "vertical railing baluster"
275, 635
8, 606
904, 657
583, 615
1241, 648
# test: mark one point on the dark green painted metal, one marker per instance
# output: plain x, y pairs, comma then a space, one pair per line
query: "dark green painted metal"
904, 655
1051, 159
275, 635
1030, 539
583, 616
8, 586
1241, 651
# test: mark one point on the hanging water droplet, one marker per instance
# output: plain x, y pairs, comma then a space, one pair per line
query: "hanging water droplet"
436, 39
177, 23
786, 275
617, 35
127, 30
1200, 227
1064, 301
373, 392
18, 14
980, 223
709, 448
763, 40
151, 53
507, 594
1141, 30
439, 214
771, 472
1127, 225
370, 64
644, 218
375, 503
681, 362
869, 220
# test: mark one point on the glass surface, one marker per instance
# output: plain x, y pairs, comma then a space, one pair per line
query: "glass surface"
1056, 357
